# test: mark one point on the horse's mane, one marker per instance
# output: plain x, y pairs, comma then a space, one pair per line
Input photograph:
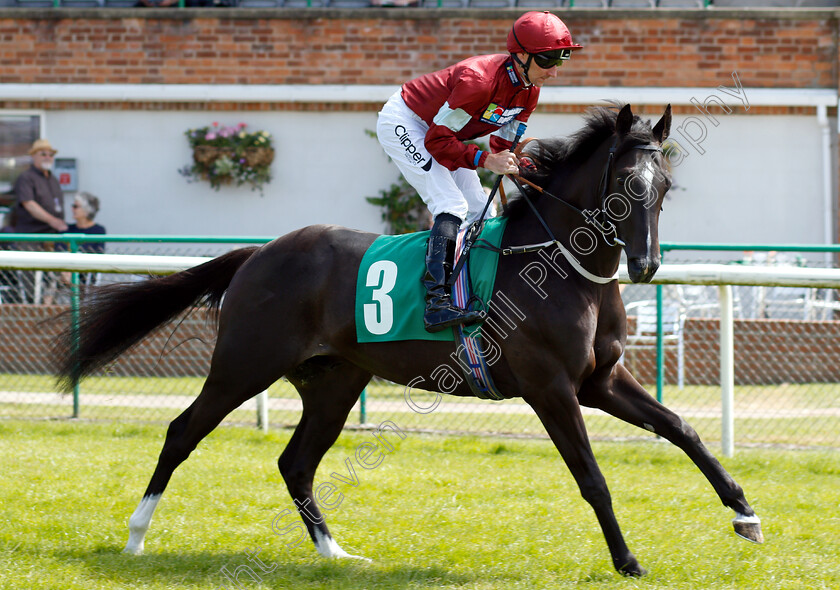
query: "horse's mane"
567, 152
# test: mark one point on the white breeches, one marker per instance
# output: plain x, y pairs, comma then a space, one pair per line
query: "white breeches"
402, 133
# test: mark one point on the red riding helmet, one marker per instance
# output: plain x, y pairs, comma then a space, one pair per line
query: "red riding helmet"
536, 32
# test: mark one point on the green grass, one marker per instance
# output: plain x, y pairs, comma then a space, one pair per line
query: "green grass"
440, 512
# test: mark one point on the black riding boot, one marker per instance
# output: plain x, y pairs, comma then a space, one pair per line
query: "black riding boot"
440, 312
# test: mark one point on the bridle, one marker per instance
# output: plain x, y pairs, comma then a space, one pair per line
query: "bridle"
599, 218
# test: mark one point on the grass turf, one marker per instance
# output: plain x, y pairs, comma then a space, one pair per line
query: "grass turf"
439, 512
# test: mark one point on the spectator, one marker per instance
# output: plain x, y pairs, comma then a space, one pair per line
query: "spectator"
85, 207
39, 202
187, 3
39, 209
403, 3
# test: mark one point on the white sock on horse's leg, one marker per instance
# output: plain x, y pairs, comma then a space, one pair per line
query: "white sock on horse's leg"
139, 522
328, 547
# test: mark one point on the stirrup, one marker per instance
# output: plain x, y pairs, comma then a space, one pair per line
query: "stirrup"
449, 317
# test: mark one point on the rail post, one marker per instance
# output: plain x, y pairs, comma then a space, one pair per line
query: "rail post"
262, 411
660, 347
74, 319
727, 371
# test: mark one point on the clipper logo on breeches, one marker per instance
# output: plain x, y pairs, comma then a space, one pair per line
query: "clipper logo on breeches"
411, 153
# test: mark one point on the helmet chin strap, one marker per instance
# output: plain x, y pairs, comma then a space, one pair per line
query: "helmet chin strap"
525, 66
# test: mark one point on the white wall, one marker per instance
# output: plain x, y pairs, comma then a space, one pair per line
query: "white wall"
324, 167
759, 180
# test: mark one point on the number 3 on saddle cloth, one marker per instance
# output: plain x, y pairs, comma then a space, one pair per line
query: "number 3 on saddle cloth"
390, 298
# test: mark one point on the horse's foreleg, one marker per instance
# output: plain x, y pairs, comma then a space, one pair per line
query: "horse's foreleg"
561, 416
328, 396
625, 399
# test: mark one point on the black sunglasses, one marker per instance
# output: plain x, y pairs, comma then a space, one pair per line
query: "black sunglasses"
549, 59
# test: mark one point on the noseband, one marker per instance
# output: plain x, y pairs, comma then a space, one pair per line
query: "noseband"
599, 218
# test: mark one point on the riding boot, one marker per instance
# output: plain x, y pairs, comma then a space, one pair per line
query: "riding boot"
440, 312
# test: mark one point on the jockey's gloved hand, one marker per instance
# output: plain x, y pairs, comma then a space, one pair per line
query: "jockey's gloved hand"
526, 164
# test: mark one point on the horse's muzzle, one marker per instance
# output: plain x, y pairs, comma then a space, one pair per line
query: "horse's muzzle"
641, 269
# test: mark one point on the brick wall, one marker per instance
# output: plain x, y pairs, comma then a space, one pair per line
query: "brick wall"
630, 48
766, 351
29, 332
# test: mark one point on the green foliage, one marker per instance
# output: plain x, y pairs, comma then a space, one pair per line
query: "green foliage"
403, 210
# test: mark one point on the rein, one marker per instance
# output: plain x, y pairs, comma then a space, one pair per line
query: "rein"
604, 225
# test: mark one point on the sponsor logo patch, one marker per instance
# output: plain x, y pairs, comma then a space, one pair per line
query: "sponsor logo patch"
512, 74
411, 152
498, 115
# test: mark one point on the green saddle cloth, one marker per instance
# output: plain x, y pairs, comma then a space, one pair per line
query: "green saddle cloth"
390, 299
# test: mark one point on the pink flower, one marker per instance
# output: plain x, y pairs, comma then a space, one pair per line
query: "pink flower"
215, 124
210, 136
242, 126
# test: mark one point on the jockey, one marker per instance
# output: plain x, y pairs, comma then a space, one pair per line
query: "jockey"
424, 125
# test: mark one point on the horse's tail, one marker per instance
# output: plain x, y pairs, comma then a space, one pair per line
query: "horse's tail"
115, 317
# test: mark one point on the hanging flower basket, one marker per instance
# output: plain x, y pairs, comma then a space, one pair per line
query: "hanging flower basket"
206, 155
226, 155
259, 156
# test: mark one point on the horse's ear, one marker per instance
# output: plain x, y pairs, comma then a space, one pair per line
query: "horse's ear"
663, 128
624, 121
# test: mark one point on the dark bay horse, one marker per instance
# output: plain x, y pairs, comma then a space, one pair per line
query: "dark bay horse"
288, 310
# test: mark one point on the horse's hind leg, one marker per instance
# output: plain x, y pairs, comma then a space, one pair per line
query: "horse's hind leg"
625, 399
328, 387
231, 382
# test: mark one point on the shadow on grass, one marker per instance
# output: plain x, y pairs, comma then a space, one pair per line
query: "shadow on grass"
167, 570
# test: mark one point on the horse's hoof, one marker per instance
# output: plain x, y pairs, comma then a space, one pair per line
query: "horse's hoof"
632, 569
135, 543
749, 528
